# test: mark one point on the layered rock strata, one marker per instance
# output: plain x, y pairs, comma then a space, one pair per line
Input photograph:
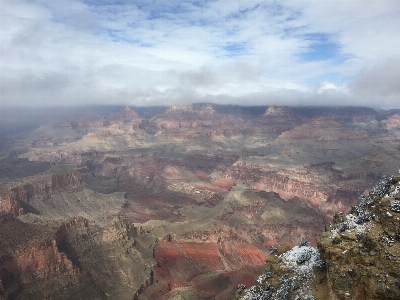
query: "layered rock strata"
74, 259
274, 121
13, 196
322, 128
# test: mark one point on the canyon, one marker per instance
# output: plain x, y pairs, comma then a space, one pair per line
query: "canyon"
182, 202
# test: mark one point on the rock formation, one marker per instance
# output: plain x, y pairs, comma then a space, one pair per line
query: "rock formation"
14, 195
361, 249
30, 256
392, 125
74, 258
322, 128
191, 121
357, 257
125, 116
274, 121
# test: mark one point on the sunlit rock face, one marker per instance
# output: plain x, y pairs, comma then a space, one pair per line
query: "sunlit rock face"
186, 262
392, 126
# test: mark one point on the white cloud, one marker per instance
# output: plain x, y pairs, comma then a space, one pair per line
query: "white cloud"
152, 52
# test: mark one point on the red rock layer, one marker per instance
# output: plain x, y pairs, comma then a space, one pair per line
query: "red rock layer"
322, 128
32, 256
181, 262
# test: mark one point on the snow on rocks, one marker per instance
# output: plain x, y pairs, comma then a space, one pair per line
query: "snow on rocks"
395, 206
383, 187
301, 259
299, 263
349, 224
393, 193
360, 218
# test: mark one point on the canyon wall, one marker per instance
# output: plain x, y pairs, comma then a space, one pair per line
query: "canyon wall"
14, 195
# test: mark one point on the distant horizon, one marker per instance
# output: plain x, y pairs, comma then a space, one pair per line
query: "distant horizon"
122, 105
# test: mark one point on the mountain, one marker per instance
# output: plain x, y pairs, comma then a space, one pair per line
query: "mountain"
274, 121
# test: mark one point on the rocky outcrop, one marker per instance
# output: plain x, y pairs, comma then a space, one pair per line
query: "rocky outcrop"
31, 256
322, 128
358, 256
125, 116
296, 273
392, 123
362, 249
14, 196
74, 258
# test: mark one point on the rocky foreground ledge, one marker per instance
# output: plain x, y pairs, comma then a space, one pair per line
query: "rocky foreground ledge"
358, 256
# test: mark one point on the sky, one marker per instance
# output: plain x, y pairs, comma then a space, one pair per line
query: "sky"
154, 52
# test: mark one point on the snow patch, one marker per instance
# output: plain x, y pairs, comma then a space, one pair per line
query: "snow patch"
351, 225
302, 259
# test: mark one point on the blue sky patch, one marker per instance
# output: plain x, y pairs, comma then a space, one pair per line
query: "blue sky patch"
321, 51
322, 48
235, 49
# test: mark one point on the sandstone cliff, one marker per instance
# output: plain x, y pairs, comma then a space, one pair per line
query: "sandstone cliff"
30, 256
74, 259
17, 195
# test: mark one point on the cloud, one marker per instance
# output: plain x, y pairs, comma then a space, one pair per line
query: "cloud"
381, 79
167, 52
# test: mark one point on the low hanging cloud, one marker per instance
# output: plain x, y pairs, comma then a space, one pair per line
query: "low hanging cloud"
175, 52
381, 79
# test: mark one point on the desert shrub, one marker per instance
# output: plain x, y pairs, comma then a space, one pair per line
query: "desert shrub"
336, 240
368, 243
241, 287
395, 205
304, 242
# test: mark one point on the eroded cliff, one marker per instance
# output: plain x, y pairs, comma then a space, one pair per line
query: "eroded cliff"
75, 259
15, 196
